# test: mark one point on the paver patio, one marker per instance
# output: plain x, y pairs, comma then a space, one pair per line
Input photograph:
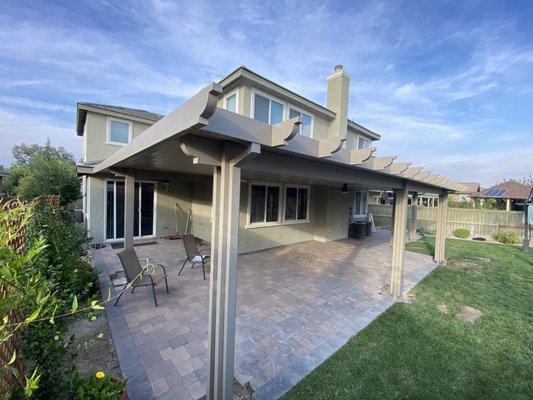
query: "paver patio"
296, 305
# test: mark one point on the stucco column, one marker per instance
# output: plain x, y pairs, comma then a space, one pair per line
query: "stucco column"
398, 241
414, 212
223, 277
129, 200
508, 205
440, 240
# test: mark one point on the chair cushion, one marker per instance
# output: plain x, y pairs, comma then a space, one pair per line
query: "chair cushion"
198, 258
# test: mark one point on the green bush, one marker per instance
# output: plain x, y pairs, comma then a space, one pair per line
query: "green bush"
44, 345
461, 233
506, 237
97, 387
61, 261
423, 231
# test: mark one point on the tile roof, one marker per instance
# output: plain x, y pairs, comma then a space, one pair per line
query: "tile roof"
134, 112
471, 187
515, 190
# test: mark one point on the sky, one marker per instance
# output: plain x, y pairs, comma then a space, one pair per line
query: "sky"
447, 84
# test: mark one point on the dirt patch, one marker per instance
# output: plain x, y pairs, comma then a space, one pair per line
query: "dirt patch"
94, 346
443, 309
469, 314
409, 298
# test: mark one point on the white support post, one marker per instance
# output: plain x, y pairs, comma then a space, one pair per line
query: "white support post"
223, 278
129, 212
440, 240
414, 212
398, 241
525, 243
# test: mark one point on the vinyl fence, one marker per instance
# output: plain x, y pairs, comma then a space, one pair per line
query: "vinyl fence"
478, 222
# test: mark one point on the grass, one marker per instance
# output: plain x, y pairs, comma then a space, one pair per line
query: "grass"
413, 351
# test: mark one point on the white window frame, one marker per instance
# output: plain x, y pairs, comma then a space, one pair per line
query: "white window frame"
296, 221
106, 239
286, 107
365, 138
355, 215
108, 135
250, 224
295, 108
229, 94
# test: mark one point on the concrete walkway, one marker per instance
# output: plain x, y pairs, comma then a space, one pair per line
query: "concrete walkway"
296, 306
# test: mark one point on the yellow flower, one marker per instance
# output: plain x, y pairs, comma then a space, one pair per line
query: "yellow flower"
100, 375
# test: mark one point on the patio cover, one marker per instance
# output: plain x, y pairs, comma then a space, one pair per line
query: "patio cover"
200, 138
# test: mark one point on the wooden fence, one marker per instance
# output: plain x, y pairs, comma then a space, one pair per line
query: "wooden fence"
478, 222
9, 380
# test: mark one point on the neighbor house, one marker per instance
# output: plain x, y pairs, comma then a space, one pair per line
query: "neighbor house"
245, 164
509, 193
472, 190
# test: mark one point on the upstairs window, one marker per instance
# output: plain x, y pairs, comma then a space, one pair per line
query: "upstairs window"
119, 132
264, 203
267, 110
296, 203
231, 102
363, 142
307, 120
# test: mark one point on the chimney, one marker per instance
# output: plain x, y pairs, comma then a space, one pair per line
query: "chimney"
338, 94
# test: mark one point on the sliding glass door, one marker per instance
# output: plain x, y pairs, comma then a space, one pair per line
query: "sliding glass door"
144, 200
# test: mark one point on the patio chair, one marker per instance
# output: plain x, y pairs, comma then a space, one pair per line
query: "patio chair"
137, 276
194, 255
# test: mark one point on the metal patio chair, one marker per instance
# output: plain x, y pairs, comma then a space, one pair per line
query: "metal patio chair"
194, 255
137, 276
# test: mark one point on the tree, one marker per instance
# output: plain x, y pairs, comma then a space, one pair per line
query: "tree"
43, 170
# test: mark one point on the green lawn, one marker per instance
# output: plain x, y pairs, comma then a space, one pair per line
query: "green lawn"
414, 352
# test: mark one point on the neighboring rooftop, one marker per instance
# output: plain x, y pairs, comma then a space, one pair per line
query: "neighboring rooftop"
472, 188
507, 190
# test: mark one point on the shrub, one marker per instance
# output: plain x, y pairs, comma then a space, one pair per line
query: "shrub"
97, 387
61, 261
506, 237
423, 231
461, 233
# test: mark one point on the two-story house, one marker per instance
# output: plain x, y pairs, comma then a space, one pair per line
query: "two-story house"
272, 212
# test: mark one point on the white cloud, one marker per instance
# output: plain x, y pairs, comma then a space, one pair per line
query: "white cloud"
41, 105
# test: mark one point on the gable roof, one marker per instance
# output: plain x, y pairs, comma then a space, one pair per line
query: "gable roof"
136, 113
472, 187
513, 190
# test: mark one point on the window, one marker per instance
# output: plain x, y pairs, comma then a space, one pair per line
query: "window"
360, 203
264, 203
119, 132
363, 142
268, 110
296, 203
307, 120
231, 102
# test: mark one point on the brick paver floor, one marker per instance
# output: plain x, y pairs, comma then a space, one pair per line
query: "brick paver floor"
296, 305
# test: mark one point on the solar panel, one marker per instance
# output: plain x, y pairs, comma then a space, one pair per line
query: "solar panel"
495, 192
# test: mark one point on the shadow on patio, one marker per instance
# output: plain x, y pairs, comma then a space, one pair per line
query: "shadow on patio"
296, 305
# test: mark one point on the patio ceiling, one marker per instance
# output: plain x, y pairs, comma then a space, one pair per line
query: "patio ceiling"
199, 129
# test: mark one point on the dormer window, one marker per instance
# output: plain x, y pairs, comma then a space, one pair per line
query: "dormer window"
307, 121
118, 131
363, 142
230, 101
267, 109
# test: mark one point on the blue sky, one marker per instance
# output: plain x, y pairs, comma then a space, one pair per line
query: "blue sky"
448, 85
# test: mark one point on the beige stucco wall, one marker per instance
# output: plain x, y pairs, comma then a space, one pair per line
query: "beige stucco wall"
169, 219
328, 213
95, 137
